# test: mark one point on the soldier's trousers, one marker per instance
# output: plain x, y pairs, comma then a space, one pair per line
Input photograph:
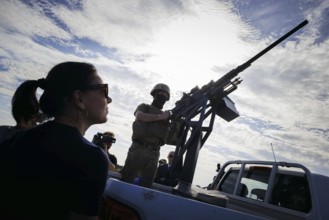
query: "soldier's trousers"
141, 163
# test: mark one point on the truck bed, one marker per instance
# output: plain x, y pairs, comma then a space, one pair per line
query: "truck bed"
154, 204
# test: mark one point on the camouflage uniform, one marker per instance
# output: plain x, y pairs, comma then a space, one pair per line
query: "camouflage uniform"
143, 155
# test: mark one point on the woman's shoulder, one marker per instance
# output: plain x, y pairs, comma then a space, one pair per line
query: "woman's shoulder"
70, 145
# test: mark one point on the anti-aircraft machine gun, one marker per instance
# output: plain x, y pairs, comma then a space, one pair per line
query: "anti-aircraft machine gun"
187, 131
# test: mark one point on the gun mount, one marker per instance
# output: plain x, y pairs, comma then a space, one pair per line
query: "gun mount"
187, 131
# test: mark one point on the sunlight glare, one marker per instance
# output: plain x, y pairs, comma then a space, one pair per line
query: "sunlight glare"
186, 50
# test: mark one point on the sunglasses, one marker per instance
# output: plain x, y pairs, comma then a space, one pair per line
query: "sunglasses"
99, 86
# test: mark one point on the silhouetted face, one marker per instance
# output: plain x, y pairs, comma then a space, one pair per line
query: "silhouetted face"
171, 157
96, 101
160, 99
108, 144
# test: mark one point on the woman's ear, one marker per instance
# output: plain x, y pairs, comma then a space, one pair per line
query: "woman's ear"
79, 99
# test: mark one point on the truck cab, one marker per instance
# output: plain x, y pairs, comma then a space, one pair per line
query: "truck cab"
274, 190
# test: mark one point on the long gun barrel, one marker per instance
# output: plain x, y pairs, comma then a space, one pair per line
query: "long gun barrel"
187, 131
254, 58
213, 88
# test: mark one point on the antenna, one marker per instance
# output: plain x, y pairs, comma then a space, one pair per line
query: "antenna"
273, 152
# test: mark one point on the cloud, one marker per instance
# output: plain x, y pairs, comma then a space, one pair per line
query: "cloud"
282, 100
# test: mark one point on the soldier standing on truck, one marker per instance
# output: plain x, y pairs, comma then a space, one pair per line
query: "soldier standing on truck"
149, 131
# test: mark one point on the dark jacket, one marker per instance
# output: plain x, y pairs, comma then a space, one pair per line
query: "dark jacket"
170, 177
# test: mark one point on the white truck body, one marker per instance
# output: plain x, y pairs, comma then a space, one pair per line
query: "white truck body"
151, 204
223, 198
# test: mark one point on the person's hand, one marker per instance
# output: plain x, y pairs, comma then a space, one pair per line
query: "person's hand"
165, 115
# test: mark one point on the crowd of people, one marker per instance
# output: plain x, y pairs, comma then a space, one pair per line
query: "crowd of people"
46, 157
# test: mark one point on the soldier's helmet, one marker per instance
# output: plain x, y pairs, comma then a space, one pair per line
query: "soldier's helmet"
161, 87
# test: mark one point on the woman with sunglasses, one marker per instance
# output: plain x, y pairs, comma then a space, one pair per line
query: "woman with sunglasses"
51, 171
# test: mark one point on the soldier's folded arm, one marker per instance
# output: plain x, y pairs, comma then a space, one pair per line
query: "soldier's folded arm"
142, 116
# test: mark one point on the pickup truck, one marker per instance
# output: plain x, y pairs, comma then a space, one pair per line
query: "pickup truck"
240, 190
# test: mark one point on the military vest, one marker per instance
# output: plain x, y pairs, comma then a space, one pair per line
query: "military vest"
150, 132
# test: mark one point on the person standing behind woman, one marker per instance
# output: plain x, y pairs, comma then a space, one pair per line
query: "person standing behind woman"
105, 141
51, 171
24, 110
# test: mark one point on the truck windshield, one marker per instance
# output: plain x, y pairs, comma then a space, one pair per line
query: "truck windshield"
253, 183
289, 190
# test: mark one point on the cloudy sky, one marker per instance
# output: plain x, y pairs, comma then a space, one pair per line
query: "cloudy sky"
283, 99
